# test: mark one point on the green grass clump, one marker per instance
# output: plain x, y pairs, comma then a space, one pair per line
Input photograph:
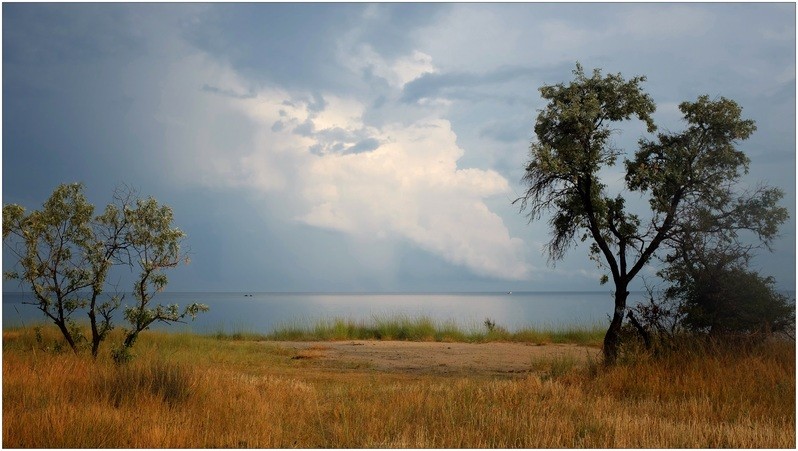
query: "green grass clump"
238, 332
393, 327
424, 328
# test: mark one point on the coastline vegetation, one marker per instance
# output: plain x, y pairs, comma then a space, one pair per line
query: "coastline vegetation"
422, 328
184, 390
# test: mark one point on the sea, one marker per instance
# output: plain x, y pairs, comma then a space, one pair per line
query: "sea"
263, 312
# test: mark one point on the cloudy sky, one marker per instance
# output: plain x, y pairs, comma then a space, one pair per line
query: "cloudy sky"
363, 147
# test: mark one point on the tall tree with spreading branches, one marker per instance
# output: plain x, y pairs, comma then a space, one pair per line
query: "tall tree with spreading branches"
689, 178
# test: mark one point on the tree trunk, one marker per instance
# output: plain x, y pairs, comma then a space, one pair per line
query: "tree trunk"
67, 335
130, 338
95, 335
612, 340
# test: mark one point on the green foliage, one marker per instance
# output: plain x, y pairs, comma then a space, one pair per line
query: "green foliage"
64, 253
713, 296
718, 296
54, 247
573, 133
422, 328
121, 355
689, 178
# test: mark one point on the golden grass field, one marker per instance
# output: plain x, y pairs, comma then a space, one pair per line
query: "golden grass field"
189, 391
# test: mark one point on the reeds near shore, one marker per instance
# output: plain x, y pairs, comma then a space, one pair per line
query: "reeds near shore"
188, 391
424, 328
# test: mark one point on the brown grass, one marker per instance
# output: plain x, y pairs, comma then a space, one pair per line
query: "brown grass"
186, 391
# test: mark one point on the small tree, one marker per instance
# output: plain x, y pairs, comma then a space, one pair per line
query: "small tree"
156, 245
712, 294
689, 178
65, 255
717, 294
55, 247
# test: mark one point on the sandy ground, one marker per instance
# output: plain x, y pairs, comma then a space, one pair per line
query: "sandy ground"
441, 358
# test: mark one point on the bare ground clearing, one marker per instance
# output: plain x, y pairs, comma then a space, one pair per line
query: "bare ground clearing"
441, 358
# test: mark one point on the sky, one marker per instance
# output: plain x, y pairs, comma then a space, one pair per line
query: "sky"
365, 147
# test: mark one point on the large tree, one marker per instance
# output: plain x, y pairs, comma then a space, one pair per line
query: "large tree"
689, 179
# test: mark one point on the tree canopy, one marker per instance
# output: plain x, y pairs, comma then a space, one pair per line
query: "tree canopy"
690, 179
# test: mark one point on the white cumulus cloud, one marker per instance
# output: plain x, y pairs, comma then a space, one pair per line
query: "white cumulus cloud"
396, 71
313, 153
411, 187
408, 186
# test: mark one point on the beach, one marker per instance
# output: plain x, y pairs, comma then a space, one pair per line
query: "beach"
437, 358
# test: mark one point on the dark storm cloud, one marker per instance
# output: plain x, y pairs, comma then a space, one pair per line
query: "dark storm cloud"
228, 92
67, 33
272, 42
291, 44
304, 129
79, 112
366, 145
318, 104
507, 131
431, 85
390, 27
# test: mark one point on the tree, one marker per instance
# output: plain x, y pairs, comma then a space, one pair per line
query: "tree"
65, 255
55, 247
717, 294
713, 293
157, 247
688, 177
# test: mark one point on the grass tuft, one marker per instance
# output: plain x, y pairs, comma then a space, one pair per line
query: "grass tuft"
168, 381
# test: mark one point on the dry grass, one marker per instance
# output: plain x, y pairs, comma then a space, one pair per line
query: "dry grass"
187, 391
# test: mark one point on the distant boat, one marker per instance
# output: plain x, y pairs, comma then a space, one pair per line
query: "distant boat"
509, 292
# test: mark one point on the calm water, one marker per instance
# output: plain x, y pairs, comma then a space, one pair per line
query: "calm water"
261, 312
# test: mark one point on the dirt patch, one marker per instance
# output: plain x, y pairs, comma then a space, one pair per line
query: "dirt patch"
442, 358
